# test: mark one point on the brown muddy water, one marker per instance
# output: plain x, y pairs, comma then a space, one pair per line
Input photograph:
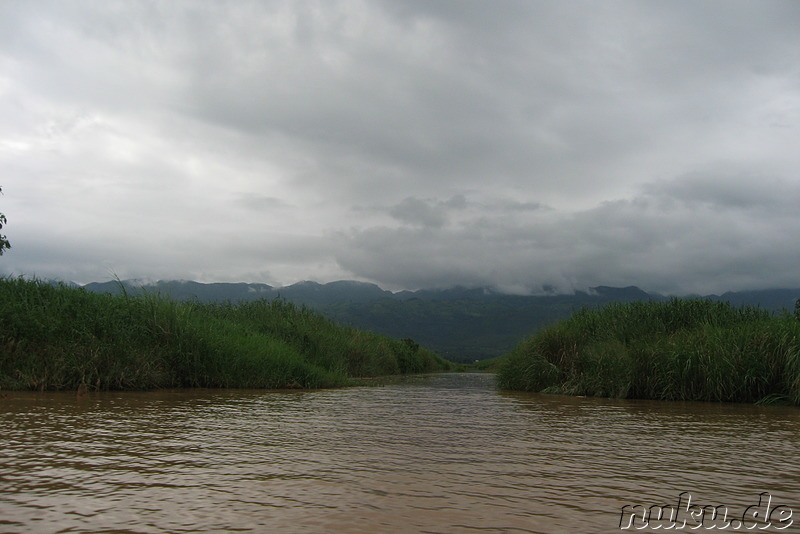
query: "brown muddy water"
435, 454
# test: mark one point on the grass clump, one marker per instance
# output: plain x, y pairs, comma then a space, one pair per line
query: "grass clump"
682, 349
54, 337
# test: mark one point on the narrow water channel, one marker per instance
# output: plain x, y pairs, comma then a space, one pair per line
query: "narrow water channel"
435, 454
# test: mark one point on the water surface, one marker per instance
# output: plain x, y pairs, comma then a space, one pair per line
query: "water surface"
435, 454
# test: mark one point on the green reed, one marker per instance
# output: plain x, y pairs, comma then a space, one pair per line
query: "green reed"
683, 349
57, 337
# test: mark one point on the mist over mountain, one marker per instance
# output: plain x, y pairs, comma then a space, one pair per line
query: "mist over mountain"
308, 293
460, 323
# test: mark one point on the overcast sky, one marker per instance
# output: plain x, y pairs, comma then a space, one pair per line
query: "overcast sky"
414, 144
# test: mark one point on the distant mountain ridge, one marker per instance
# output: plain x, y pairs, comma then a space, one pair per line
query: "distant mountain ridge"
460, 323
306, 292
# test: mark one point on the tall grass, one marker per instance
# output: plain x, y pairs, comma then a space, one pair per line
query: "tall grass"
57, 337
683, 349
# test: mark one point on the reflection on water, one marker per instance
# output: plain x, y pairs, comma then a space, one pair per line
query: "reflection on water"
443, 453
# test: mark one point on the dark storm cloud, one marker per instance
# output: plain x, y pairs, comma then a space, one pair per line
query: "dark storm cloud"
511, 143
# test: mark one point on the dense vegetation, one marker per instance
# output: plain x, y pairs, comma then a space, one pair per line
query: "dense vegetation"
461, 324
58, 337
682, 349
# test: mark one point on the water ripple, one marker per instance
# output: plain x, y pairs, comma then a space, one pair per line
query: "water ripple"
444, 453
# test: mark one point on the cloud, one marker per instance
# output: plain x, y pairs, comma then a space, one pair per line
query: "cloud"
261, 202
510, 143
737, 190
426, 213
418, 212
663, 239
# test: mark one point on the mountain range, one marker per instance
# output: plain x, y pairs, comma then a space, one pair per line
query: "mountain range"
462, 324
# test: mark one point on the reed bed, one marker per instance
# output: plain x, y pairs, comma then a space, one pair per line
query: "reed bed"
682, 349
54, 337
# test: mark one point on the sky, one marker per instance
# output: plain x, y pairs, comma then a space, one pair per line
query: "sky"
527, 146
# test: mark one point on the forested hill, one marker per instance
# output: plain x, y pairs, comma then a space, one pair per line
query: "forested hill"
461, 324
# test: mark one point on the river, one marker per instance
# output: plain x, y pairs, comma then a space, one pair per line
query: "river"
435, 454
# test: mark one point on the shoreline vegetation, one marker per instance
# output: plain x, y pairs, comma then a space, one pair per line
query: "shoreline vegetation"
682, 349
55, 337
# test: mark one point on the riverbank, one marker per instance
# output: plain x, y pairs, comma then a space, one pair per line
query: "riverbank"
54, 337
683, 349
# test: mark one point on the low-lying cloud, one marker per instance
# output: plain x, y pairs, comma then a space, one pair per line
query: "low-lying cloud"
680, 236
